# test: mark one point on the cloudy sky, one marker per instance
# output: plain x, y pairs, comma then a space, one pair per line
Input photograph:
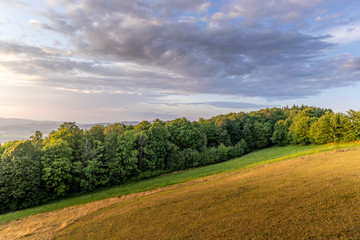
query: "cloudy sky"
116, 60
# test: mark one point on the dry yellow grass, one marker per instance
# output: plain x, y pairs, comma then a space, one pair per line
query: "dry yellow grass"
314, 197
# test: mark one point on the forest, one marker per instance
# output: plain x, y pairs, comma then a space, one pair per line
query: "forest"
71, 160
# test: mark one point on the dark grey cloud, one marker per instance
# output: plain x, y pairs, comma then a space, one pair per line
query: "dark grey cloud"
54, 69
145, 45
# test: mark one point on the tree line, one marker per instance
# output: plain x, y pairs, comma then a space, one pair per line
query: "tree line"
71, 160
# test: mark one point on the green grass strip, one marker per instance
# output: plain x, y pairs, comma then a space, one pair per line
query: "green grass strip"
257, 158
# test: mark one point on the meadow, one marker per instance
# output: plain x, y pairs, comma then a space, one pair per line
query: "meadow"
310, 198
253, 159
234, 198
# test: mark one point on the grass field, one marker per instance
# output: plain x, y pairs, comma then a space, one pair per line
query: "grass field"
284, 199
256, 158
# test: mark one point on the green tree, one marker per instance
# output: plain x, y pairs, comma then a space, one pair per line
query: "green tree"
322, 131
157, 146
184, 135
184, 159
223, 126
301, 124
354, 118
112, 134
37, 139
333, 127
247, 133
8, 145
342, 128
124, 165
261, 134
20, 177
208, 128
301, 130
95, 167
281, 133
144, 125
222, 135
117, 128
233, 128
56, 161
74, 137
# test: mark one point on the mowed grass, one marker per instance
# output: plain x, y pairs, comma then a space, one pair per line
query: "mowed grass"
257, 158
312, 197
219, 205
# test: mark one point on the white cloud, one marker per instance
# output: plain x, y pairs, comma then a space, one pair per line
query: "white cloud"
204, 7
346, 33
34, 22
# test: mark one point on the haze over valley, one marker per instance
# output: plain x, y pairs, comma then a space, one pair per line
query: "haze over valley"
22, 129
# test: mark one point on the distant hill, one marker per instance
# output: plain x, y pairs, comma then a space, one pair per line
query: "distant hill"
18, 129
89, 125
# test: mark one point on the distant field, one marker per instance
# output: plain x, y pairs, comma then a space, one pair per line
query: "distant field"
311, 196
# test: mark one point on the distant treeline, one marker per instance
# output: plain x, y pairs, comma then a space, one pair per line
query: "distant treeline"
71, 160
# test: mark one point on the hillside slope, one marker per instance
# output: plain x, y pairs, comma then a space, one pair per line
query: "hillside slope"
309, 197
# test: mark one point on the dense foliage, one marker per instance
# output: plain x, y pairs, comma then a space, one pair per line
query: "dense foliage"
72, 160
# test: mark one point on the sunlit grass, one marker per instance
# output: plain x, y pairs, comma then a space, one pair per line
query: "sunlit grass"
261, 157
314, 197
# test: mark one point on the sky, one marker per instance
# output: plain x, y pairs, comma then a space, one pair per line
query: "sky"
108, 61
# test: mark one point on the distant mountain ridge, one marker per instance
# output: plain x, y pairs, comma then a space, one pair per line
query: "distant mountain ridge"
18, 129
